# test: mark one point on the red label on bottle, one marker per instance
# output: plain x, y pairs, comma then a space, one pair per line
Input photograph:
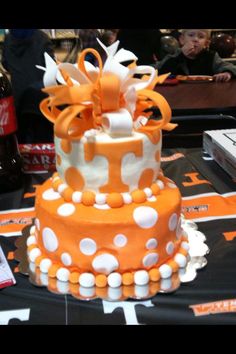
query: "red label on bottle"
7, 116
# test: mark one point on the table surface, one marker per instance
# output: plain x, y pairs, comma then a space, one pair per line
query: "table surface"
209, 199
200, 95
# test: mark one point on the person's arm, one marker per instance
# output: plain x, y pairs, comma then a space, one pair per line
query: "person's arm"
223, 69
170, 63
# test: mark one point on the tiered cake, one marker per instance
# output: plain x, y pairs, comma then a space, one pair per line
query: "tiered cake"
108, 216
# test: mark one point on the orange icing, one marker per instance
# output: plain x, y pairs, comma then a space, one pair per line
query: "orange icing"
74, 179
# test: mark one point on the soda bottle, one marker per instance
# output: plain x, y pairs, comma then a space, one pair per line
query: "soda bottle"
11, 176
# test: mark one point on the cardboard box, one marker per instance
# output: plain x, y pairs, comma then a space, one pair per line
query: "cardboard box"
221, 146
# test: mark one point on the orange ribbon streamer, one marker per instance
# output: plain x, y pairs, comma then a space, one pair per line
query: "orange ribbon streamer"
86, 103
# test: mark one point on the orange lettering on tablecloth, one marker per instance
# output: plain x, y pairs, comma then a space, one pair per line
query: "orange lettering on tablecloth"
214, 307
193, 176
114, 157
229, 236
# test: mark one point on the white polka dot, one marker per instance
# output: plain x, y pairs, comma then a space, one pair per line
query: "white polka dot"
102, 207
179, 230
50, 240
100, 198
105, 263
148, 192
63, 286
62, 187
145, 217
127, 198
173, 222
63, 274
66, 259
66, 209
150, 259
50, 194
114, 294
141, 277
77, 197
88, 246
181, 260
37, 223
141, 291
171, 185
165, 271
87, 280
170, 248
151, 243
31, 240
185, 245
34, 253
160, 184
152, 199
45, 264
32, 230
120, 240
166, 284
114, 280
87, 292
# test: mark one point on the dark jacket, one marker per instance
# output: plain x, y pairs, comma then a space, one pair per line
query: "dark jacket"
144, 43
206, 63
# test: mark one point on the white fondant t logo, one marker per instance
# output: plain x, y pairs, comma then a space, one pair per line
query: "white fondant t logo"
128, 307
6, 316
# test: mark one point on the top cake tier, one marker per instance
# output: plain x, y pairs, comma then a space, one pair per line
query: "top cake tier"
105, 141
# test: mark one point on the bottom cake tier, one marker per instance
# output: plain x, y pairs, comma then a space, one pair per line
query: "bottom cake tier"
99, 245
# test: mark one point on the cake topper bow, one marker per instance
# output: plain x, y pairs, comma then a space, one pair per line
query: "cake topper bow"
106, 96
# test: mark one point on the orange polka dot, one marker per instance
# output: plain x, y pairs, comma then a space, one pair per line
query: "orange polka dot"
31, 247
127, 279
173, 265
58, 159
52, 271
74, 179
74, 277
128, 290
146, 178
154, 287
101, 292
138, 196
88, 198
115, 200
66, 146
101, 280
56, 184
158, 156
67, 194
52, 284
38, 260
155, 189
154, 274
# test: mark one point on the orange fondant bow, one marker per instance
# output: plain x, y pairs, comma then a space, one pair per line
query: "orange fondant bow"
86, 103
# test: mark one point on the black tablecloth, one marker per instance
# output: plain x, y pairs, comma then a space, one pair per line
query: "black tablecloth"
209, 299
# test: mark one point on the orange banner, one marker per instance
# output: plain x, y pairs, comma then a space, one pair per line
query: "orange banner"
13, 221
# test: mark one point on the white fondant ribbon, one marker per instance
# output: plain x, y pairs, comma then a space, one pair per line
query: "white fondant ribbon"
119, 123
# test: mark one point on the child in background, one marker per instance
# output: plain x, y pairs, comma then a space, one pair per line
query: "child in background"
195, 58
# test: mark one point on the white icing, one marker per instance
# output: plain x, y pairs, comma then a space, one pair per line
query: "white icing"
66, 209
87, 292
88, 246
160, 184
105, 263
173, 222
152, 199
170, 248
37, 224
32, 230
166, 284
63, 274
100, 198
66, 259
45, 264
171, 185
165, 271
114, 293
34, 253
63, 287
141, 277
114, 280
50, 240
77, 197
151, 243
150, 259
31, 240
127, 198
141, 291
180, 259
185, 245
44, 279
148, 192
145, 217
120, 240
50, 194
102, 207
87, 280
